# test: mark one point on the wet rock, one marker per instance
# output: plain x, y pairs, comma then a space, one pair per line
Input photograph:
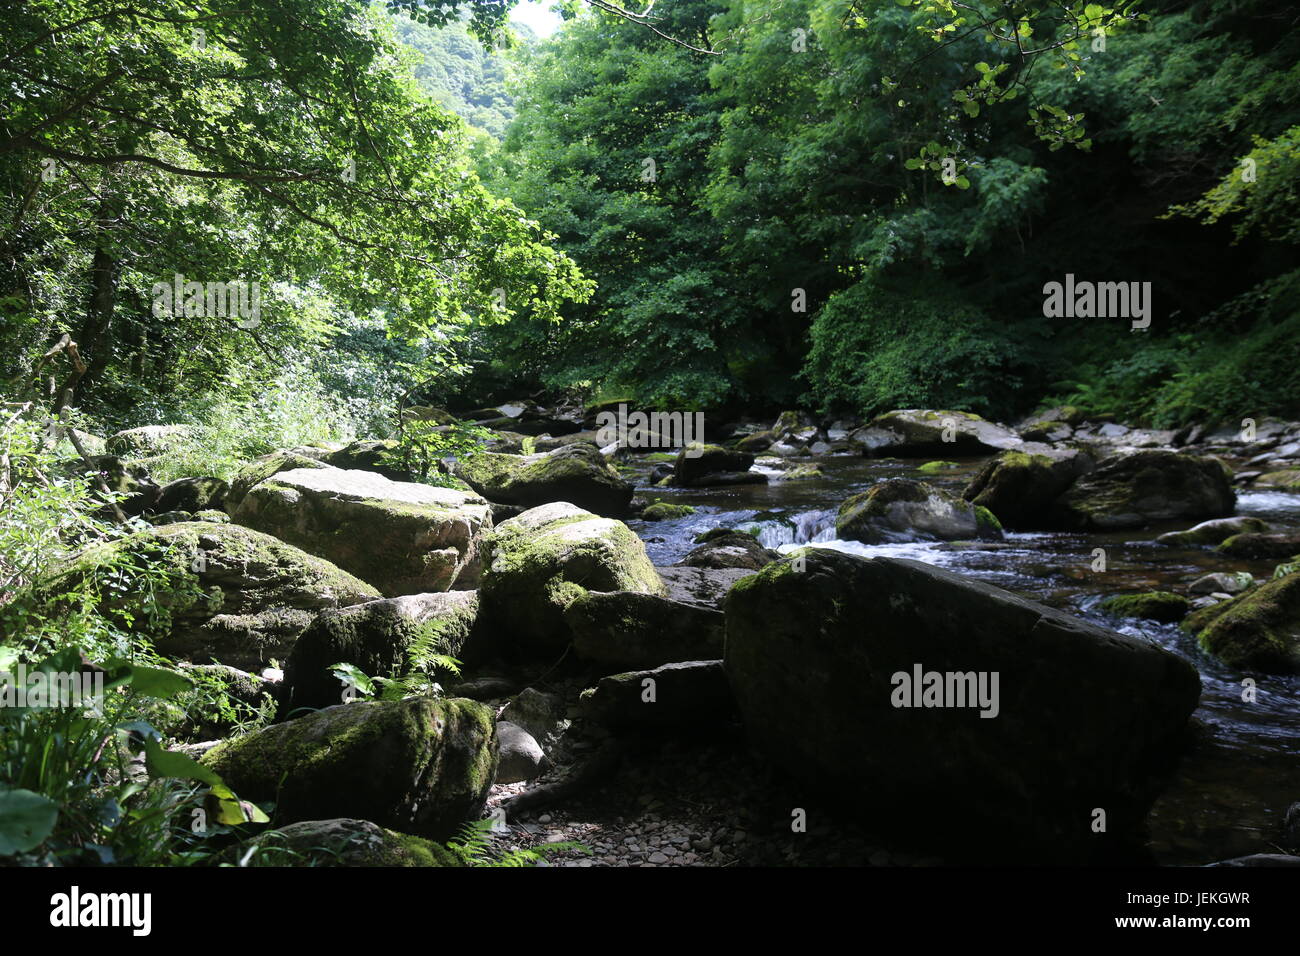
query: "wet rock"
900, 509
1213, 531
1082, 718
708, 465
724, 548
1161, 606
665, 511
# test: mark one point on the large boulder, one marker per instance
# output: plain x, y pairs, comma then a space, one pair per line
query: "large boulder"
259, 469
632, 629
703, 587
1258, 630
237, 596
1130, 491
1214, 531
704, 466
923, 433
402, 537
576, 473
378, 638
900, 509
537, 563
420, 765
383, 456
192, 495
1019, 487
952, 709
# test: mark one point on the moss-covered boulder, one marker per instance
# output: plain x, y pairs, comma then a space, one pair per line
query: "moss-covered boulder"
419, 766
705, 466
632, 629
1163, 606
901, 687
1222, 582
757, 443
1214, 531
192, 495
900, 509
1134, 490
131, 480
937, 467
235, 596
666, 511
1253, 546
577, 473
535, 564
340, 842
260, 469
725, 548
377, 637
1020, 487
926, 433
1258, 630
382, 456
148, 441
402, 537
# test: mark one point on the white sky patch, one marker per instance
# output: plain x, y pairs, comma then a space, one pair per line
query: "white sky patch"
537, 15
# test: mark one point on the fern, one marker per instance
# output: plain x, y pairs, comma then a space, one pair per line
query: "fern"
474, 848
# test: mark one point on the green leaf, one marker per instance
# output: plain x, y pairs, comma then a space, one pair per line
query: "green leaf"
26, 820
169, 763
157, 682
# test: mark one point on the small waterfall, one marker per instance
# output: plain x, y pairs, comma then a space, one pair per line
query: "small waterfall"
806, 527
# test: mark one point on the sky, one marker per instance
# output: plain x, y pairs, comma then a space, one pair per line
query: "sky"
536, 15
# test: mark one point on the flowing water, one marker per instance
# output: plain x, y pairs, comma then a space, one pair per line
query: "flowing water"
1234, 786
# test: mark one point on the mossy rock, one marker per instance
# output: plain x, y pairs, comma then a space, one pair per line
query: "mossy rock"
236, 597
665, 511
383, 456
1134, 490
1020, 487
192, 495
147, 441
900, 509
260, 469
402, 537
1214, 531
576, 473
916, 432
1288, 480
1257, 630
1259, 547
730, 549
937, 467
340, 842
536, 563
698, 465
377, 638
803, 472
632, 629
420, 765
1161, 606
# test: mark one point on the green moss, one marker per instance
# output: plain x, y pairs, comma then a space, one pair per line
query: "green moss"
663, 511
1258, 630
988, 522
934, 467
1153, 605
